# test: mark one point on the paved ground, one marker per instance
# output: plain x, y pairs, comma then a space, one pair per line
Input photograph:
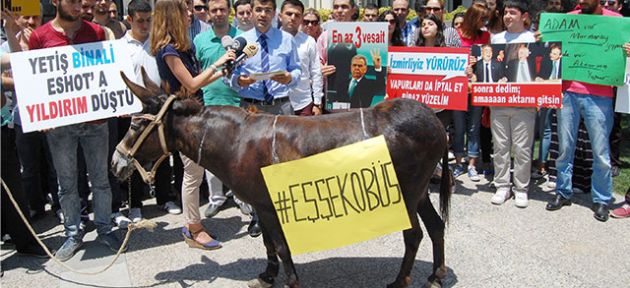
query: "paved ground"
486, 246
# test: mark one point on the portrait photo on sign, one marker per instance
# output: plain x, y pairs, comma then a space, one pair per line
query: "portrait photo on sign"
359, 54
517, 74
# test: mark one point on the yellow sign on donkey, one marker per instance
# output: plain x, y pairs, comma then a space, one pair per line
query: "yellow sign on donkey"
339, 197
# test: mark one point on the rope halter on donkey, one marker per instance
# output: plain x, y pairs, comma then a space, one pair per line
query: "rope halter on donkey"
156, 121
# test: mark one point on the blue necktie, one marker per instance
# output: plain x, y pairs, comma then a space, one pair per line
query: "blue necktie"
264, 59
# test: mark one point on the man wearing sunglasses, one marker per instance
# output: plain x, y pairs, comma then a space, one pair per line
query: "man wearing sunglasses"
612, 5
436, 7
201, 10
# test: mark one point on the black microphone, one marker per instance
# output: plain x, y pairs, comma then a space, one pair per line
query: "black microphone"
247, 52
238, 45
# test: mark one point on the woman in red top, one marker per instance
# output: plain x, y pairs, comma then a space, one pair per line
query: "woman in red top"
468, 122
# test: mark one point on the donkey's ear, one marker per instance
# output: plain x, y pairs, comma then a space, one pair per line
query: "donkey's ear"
143, 94
150, 85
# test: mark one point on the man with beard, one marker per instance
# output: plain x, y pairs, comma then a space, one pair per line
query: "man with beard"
68, 28
595, 104
101, 17
87, 13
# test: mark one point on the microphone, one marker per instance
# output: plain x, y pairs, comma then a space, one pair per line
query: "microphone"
238, 44
227, 42
247, 52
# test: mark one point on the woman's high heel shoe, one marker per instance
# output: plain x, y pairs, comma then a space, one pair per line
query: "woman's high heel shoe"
189, 238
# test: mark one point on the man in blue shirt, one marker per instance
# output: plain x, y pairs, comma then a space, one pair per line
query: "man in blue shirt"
277, 53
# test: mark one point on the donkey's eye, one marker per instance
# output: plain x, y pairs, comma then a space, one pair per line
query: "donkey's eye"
134, 126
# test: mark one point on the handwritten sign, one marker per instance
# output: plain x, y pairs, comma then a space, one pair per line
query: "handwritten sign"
72, 84
592, 46
518, 75
623, 93
339, 197
434, 76
22, 7
365, 44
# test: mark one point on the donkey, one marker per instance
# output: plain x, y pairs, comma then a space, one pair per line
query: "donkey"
234, 144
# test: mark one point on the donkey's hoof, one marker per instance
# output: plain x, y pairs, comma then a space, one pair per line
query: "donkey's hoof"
258, 283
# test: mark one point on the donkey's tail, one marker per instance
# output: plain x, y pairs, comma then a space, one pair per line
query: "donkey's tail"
446, 189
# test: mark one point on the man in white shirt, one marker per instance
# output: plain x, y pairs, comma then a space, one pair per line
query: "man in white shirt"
513, 127
306, 97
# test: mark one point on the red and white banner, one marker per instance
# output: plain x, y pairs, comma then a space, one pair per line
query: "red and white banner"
548, 95
431, 75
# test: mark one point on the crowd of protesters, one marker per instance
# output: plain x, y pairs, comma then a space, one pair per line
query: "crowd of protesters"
178, 42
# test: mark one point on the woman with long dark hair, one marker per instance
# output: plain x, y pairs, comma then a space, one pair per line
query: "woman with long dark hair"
180, 71
395, 34
430, 33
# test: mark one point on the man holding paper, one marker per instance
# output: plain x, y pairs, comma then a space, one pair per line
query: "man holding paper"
594, 103
277, 53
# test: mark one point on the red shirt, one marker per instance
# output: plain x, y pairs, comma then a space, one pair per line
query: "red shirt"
468, 42
46, 36
587, 88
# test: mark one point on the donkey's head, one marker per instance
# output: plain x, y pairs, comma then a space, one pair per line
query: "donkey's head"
145, 141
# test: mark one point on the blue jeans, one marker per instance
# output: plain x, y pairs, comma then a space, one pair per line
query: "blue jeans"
467, 122
63, 142
598, 119
544, 131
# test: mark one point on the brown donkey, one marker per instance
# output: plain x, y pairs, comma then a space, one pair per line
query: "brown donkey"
234, 144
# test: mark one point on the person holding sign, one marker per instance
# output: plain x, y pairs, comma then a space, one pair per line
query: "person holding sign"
68, 28
178, 67
594, 103
513, 127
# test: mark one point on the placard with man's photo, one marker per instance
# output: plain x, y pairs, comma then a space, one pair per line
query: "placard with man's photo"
517, 75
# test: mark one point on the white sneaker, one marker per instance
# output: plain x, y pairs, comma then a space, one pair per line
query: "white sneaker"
172, 208
502, 195
551, 184
472, 174
121, 221
135, 215
520, 199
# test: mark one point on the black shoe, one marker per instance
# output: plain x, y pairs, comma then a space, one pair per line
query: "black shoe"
557, 203
601, 212
254, 229
111, 241
615, 171
32, 250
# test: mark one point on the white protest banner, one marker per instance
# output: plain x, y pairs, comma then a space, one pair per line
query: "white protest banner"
72, 84
623, 92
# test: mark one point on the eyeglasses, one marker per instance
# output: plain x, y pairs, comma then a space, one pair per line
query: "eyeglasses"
434, 9
610, 2
200, 8
310, 22
391, 21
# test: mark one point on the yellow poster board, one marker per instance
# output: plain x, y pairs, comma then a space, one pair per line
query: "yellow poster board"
23, 7
339, 197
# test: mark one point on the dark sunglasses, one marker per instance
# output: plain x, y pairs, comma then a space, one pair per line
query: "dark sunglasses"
310, 22
610, 2
434, 9
200, 8
392, 21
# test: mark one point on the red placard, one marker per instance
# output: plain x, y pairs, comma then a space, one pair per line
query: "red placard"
547, 95
431, 90
431, 75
